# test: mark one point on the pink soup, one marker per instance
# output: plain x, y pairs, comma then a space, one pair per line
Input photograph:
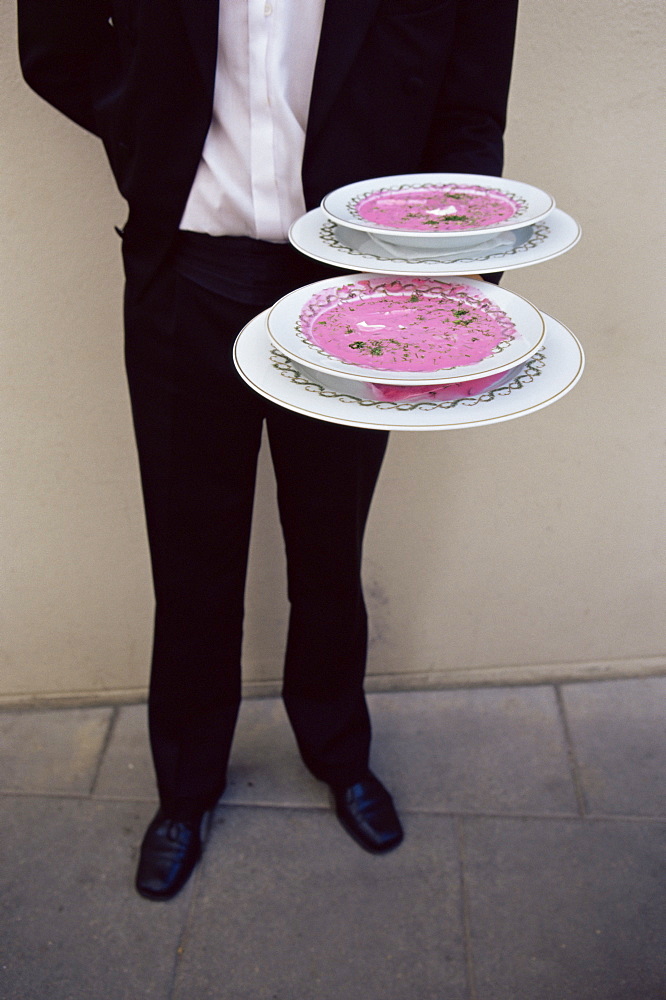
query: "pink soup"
405, 325
441, 209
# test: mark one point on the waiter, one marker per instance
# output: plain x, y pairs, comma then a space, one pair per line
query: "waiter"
223, 122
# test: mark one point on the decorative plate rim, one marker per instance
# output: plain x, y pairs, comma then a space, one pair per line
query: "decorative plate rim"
347, 193
563, 365
294, 344
328, 234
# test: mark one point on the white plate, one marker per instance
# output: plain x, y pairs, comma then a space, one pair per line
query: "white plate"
530, 204
316, 236
545, 378
284, 330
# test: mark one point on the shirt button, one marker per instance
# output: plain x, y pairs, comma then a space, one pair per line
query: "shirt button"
268, 10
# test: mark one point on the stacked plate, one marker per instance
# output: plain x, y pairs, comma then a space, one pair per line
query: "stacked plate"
416, 349
436, 224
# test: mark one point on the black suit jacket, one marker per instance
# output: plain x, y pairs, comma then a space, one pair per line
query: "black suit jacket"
399, 86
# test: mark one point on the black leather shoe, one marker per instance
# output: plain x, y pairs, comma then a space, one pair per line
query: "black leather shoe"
169, 852
366, 811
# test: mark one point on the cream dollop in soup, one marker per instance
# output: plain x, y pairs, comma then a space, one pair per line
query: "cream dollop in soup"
405, 325
438, 209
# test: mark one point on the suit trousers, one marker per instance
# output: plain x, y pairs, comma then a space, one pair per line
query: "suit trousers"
198, 429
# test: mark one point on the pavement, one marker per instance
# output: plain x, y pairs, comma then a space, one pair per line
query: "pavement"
533, 866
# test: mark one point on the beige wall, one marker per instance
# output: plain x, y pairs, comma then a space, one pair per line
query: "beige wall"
531, 550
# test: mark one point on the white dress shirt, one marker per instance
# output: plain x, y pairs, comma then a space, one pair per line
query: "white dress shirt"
249, 178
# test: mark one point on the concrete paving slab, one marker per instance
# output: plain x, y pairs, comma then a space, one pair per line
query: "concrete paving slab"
479, 750
52, 750
127, 769
619, 734
265, 767
566, 909
73, 926
289, 908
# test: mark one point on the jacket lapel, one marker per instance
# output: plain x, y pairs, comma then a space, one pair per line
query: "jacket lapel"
343, 28
201, 17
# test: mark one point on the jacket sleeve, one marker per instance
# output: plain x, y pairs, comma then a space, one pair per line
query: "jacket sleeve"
68, 55
470, 116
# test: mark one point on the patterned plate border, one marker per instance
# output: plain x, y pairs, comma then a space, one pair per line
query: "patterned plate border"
289, 370
352, 205
540, 231
549, 375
